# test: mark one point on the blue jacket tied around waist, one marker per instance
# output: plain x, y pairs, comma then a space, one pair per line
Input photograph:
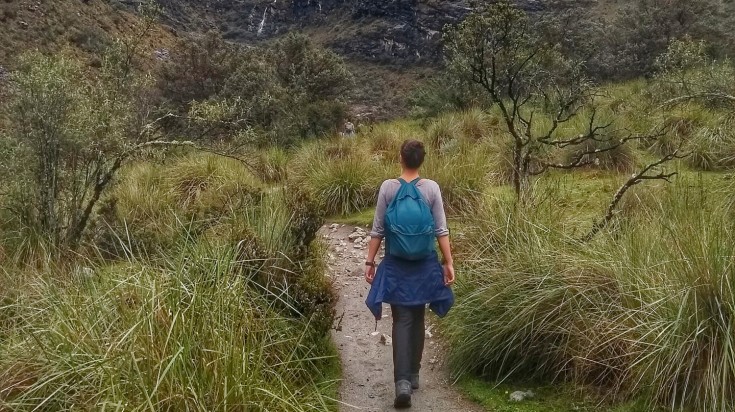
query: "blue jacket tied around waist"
410, 283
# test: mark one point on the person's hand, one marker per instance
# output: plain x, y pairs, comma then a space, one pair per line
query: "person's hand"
369, 273
448, 274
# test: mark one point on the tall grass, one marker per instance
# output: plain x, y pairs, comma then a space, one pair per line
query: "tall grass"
647, 311
154, 205
342, 175
462, 176
191, 334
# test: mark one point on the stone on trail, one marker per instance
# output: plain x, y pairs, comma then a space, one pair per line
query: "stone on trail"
520, 396
386, 340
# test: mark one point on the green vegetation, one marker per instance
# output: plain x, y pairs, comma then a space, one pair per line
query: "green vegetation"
142, 272
274, 95
630, 312
554, 398
592, 223
189, 333
200, 291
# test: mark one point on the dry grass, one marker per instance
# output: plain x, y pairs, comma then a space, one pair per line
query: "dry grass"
80, 27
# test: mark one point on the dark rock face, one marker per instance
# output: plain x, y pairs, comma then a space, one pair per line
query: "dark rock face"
389, 44
385, 31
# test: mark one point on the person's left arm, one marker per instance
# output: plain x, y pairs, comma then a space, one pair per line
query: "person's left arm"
376, 234
442, 235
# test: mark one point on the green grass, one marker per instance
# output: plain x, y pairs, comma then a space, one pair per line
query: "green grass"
643, 312
550, 398
193, 334
218, 301
361, 218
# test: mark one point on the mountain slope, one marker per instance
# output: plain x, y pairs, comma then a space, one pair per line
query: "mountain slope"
80, 27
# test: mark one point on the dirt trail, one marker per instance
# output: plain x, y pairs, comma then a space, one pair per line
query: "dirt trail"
367, 363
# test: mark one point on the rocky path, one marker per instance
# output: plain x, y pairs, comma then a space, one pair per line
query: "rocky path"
367, 364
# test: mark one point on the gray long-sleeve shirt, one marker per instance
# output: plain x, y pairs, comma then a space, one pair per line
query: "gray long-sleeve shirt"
431, 192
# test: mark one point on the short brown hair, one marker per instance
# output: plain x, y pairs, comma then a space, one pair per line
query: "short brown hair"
413, 153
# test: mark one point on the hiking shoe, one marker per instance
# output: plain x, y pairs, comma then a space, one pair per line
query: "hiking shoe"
403, 395
415, 381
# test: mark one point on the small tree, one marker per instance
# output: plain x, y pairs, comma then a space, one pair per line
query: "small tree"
687, 72
70, 132
643, 29
529, 80
288, 91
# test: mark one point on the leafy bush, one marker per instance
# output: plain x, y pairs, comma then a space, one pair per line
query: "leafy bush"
287, 91
446, 92
642, 313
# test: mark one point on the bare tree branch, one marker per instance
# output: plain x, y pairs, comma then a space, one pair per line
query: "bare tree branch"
705, 96
634, 180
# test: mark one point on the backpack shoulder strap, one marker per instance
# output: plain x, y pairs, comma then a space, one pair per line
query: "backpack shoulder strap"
413, 182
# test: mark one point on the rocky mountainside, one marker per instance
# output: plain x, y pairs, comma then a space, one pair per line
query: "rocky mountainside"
389, 44
385, 31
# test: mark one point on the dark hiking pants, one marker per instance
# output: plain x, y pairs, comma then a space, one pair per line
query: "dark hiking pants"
408, 340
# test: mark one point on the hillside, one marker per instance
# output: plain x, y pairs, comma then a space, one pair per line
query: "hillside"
82, 27
391, 46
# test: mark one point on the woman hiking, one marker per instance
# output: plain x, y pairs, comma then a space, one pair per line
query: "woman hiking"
410, 217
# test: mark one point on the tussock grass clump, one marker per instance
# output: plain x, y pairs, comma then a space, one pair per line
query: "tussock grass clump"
712, 148
272, 165
621, 159
445, 131
706, 134
644, 312
346, 186
153, 206
477, 124
386, 140
191, 334
500, 161
462, 178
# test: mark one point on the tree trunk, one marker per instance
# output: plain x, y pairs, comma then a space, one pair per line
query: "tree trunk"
517, 168
48, 188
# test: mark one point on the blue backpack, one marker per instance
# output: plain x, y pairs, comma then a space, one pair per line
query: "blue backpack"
409, 224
